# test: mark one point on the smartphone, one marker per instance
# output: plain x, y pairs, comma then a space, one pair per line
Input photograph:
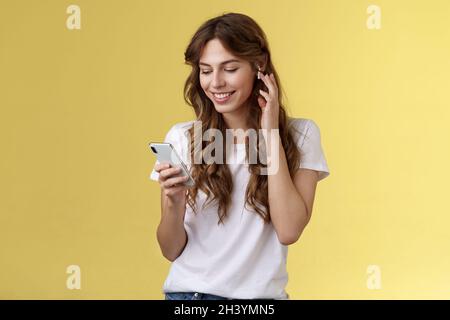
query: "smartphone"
165, 152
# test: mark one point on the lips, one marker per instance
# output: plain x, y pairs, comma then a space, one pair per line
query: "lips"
222, 97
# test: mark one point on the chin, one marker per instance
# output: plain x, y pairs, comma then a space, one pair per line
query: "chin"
224, 109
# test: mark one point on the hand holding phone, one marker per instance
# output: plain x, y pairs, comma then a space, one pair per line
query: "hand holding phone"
173, 185
172, 171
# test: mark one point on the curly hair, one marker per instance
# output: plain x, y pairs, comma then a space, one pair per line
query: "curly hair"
244, 38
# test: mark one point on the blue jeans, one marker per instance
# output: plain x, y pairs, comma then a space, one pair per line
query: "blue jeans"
193, 296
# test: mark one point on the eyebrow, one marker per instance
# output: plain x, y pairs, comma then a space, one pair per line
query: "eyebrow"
222, 63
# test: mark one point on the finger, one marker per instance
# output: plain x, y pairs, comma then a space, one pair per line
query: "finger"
264, 94
268, 82
272, 85
173, 182
274, 81
161, 166
263, 78
262, 102
167, 173
174, 190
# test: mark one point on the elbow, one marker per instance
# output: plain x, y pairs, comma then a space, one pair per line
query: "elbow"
170, 252
169, 257
289, 239
166, 252
290, 234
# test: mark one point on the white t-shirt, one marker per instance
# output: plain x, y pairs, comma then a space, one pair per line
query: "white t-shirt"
242, 258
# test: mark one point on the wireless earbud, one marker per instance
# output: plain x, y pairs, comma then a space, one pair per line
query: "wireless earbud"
259, 70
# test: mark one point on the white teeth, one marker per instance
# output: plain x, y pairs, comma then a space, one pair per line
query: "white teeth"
222, 95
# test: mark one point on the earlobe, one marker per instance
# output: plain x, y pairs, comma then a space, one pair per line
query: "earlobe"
259, 70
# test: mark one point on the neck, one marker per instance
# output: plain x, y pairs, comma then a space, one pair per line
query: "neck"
237, 120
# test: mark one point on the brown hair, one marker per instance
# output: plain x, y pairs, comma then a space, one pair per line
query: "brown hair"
241, 36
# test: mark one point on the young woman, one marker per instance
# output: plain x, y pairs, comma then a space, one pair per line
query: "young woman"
227, 236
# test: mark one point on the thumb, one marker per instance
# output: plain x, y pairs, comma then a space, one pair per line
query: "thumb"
262, 102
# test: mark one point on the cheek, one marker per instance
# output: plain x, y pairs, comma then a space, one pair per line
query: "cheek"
245, 85
242, 82
203, 84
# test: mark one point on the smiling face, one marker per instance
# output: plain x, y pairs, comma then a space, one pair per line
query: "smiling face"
222, 72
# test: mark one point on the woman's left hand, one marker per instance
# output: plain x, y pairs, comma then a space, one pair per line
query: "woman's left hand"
269, 102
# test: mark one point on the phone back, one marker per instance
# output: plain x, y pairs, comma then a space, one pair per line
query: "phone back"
166, 153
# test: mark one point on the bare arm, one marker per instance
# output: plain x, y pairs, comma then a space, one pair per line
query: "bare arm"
171, 234
290, 201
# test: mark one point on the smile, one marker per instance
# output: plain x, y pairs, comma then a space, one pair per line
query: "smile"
222, 97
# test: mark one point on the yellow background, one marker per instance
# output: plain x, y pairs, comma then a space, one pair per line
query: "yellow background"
78, 108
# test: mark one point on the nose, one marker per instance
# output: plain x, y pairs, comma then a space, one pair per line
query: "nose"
217, 80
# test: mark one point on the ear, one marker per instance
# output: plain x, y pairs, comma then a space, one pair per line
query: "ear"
261, 63
260, 66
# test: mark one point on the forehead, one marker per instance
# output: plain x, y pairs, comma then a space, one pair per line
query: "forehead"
214, 53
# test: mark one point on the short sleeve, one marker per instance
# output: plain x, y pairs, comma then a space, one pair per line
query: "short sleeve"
311, 152
173, 137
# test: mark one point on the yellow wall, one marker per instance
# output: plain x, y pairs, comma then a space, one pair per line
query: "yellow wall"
78, 108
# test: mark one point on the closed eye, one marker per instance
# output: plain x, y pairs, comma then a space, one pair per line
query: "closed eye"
207, 72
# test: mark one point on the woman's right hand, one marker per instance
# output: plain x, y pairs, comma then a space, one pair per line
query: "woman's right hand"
171, 184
